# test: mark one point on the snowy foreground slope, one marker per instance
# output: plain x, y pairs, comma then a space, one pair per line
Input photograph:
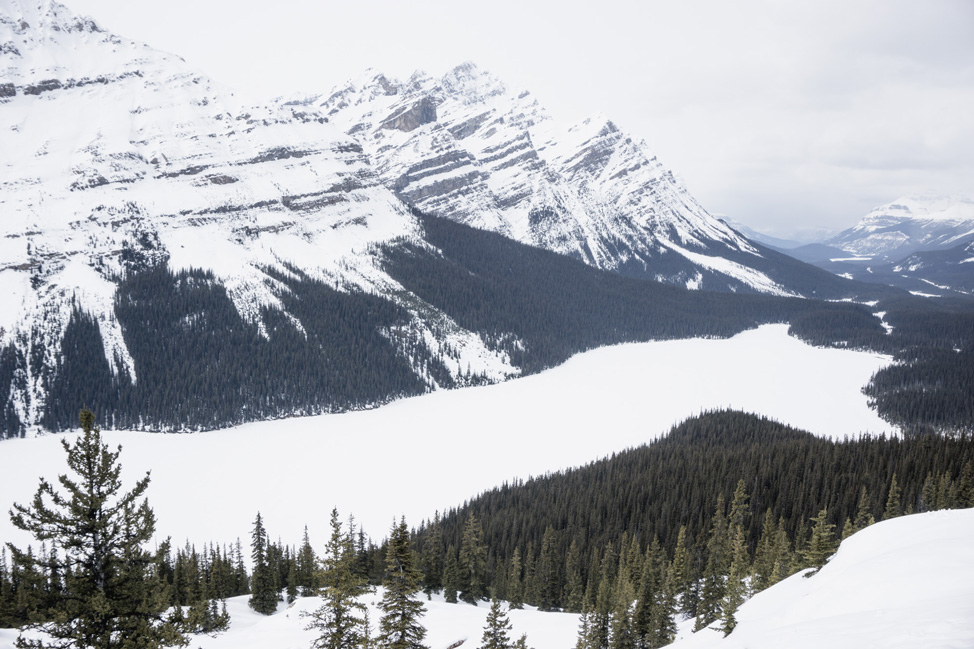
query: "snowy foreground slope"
904, 583
209, 486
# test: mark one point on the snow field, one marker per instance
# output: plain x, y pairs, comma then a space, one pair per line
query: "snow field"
416, 456
900, 584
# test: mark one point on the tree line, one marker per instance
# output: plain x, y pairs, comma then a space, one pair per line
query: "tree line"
546, 537
200, 365
688, 526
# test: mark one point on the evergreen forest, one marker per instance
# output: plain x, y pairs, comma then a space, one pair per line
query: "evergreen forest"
199, 365
689, 525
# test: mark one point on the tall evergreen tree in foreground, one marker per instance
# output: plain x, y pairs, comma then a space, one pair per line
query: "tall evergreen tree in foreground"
263, 598
496, 628
473, 562
112, 595
399, 626
340, 620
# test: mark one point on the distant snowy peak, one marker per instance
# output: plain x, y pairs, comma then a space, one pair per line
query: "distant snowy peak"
911, 223
467, 147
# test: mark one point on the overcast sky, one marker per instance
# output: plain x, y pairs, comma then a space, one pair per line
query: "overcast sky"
785, 116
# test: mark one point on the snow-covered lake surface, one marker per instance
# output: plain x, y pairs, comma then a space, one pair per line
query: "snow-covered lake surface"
416, 456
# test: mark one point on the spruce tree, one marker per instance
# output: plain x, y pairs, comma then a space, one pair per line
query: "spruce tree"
496, 628
821, 544
399, 626
892, 501
621, 631
735, 592
964, 497
473, 562
306, 566
864, 516
712, 595
115, 597
664, 613
548, 574
601, 615
263, 597
433, 557
451, 576
764, 557
574, 594
340, 620
681, 574
515, 588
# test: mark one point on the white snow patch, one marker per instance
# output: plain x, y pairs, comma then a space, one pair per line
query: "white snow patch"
749, 276
595, 404
900, 584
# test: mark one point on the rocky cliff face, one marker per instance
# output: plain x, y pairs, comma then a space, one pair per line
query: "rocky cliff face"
466, 147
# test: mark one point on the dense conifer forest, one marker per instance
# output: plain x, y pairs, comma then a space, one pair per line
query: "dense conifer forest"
668, 493
689, 525
200, 365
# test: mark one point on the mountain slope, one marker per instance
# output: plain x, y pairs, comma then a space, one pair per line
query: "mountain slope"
905, 582
468, 148
119, 159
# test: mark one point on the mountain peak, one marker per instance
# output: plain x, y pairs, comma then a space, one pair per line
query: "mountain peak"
472, 83
38, 16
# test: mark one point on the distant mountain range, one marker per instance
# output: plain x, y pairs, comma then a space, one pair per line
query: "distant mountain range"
921, 243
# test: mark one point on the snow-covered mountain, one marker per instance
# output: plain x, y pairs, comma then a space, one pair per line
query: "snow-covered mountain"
467, 147
920, 243
262, 222
908, 224
118, 157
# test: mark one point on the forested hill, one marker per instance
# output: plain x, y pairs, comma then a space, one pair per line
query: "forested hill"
681, 479
541, 307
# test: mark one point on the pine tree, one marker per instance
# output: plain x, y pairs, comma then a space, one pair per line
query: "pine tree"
621, 631
451, 576
399, 626
864, 516
646, 598
574, 594
764, 557
548, 577
496, 628
664, 613
681, 573
473, 562
433, 557
263, 597
601, 615
964, 497
116, 593
340, 620
892, 501
584, 638
306, 566
712, 595
821, 544
736, 591
515, 588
